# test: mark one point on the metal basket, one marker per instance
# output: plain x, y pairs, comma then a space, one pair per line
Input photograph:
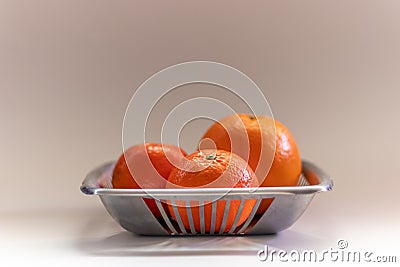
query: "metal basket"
128, 208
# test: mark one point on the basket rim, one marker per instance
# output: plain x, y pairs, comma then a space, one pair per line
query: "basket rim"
88, 187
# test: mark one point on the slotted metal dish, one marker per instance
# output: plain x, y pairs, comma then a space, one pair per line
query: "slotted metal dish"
128, 208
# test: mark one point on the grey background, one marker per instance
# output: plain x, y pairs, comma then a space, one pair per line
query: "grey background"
330, 70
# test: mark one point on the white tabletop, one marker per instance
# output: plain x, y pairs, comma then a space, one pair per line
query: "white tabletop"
93, 238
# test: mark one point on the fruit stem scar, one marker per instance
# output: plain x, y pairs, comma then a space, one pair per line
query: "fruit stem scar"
211, 156
252, 117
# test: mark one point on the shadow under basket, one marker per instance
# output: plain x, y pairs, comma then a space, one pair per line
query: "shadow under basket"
275, 208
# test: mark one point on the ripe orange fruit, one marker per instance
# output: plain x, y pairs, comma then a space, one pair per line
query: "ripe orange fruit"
286, 167
284, 163
221, 169
150, 165
256, 132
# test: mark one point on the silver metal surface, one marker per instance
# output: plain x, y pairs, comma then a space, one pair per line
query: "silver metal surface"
127, 207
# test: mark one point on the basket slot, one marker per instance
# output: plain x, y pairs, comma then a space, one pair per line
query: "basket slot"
238, 214
178, 217
190, 218
303, 180
202, 218
225, 218
213, 216
251, 216
108, 182
165, 217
